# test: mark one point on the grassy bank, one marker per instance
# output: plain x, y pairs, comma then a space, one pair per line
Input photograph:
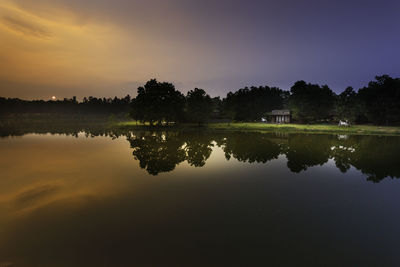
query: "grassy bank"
319, 128
119, 122
305, 128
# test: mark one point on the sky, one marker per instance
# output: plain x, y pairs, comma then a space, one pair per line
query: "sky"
108, 48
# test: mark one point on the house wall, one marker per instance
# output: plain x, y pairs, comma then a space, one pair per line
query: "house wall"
281, 118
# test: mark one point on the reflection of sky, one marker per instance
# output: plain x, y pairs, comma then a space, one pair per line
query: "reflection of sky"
40, 169
89, 194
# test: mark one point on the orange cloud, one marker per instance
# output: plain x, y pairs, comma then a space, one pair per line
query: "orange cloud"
45, 45
25, 27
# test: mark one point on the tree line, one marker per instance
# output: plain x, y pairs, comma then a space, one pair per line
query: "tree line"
160, 103
89, 105
378, 103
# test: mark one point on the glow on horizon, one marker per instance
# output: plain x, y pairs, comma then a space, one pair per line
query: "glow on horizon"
57, 51
109, 48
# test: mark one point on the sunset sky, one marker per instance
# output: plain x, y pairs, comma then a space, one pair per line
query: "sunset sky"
109, 48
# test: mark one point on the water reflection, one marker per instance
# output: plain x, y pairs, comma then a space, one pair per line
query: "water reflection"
251, 199
304, 151
157, 152
161, 151
374, 156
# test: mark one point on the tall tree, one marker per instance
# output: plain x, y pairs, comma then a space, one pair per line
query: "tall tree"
381, 100
311, 102
250, 104
347, 105
199, 106
158, 102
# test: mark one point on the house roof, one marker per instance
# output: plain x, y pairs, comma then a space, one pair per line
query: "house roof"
280, 112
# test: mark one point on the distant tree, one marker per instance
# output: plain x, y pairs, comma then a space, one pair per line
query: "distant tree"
158, 102
217, 108
229, 107
348, 105
91, 105
137, 112
381, 100
199, 106
310, 102
250, 104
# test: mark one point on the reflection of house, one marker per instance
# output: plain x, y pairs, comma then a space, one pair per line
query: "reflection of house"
280, 116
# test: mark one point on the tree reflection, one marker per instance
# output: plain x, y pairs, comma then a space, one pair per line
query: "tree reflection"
198, 148
378, 161
157, 152
305, 151
161, 151
252, 147
342, 152
375, 156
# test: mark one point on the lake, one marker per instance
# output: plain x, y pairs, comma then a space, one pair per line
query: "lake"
166, 198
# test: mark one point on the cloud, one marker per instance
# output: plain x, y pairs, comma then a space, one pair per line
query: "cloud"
96, 47
25, 27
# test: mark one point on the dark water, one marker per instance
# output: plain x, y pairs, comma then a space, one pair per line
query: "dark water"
112, 198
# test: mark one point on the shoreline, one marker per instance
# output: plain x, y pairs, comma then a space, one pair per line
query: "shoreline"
121, 122
284, 128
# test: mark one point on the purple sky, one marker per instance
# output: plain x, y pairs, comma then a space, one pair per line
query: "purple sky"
107, 48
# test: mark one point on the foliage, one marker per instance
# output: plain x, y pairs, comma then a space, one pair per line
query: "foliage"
199, 106
347, 105
250, 104
381, 100
89, 105
310, 102
158, 102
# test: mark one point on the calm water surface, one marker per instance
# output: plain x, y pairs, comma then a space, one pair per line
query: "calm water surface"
199, 199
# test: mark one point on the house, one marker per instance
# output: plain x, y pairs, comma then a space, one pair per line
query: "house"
280, 116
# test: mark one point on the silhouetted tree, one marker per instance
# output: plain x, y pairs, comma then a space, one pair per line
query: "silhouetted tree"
348, 105
90, 105
199, 106
381, 100
217, 108
311, 102
158, 102
250, 104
